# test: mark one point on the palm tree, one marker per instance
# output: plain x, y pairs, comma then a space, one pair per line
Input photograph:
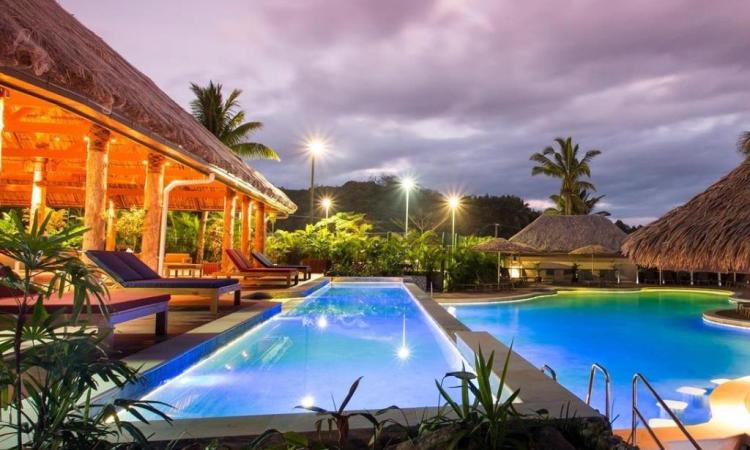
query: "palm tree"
565, 165
743, 144
225, 120
583, 203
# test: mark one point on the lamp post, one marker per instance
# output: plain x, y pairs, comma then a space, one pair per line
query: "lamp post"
454, 201
315, 147
326, 203
407, 184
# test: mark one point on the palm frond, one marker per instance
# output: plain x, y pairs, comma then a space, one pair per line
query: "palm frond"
254, 150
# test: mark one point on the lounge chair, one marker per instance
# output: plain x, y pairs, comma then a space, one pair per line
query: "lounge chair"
249, 273
121, 306
132, 274
265, 262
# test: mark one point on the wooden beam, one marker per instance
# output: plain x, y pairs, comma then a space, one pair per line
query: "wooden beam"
111, 226
260, 227
3, 94
152, 204
38, 206
97, 162
200, 246
228, 237
245, 232
78, 128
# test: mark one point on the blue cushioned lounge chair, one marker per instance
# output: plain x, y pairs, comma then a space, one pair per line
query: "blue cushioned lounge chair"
131, 273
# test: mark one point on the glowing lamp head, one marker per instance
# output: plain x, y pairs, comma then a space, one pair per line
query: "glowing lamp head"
316, 146
408, 183
307, 401
326, 202
454, 201
403, 352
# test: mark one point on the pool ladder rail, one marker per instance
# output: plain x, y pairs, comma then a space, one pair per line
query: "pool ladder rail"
638, 415
598, 368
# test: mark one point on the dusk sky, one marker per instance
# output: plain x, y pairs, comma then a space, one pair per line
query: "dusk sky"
460, 93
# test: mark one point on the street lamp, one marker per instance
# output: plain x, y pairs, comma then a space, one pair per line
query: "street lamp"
326, 203
315, 147
407, 184
454, 201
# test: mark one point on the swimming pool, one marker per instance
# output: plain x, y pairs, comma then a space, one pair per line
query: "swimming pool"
658, 333
315, 351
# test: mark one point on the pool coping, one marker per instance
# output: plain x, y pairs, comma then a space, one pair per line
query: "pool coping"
712, 316
543, 392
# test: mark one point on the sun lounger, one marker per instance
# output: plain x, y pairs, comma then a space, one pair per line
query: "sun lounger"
265, 262
132, 274
121, 306
250, 273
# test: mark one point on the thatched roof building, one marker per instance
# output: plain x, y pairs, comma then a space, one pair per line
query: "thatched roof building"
563, 234
61, 78
711, 232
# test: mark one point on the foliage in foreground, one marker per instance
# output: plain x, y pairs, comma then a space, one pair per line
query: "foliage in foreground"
56, 362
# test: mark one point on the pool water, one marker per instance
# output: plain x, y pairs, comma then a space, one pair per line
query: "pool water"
315, 351
660, 334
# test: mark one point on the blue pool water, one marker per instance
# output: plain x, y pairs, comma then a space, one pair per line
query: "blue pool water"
660, 334
315, 351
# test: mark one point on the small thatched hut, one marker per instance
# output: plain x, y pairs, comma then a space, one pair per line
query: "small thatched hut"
711, 232
81, 127
558, 237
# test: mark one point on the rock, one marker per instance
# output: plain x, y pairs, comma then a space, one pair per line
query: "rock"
550, 438
436, 440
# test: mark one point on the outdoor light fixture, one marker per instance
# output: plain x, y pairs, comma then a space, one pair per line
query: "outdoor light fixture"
315, 147
403, 352
326, 203
407, 183
454, 201
322, 322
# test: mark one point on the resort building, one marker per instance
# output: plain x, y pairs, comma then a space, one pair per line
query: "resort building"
83, 128
588, 243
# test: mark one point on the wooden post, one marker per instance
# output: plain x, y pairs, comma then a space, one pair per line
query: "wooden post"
152, 203
97, 163
111, 226
228, 239
3, 94
200, 245
38, 208
245, 218
260, 227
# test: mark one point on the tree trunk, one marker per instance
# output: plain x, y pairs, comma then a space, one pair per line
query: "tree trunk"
201, 244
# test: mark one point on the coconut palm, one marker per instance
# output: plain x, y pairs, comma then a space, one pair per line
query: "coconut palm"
743, 144
583, 203
565, 165
225, 120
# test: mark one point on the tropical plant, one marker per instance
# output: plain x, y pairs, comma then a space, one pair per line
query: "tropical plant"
743, 144
130, 229
57, 362
225, 120
565, 165
486, 416
583, 203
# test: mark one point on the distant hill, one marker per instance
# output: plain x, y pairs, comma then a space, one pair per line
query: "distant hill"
382, 201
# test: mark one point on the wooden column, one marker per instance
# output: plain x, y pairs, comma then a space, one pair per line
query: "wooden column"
245, 232
152, 203
3, 94
111, 226
228, 239
38, 208
260, 227
200, 246
95, 203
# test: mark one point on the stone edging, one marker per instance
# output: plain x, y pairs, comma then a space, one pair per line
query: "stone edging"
714, 318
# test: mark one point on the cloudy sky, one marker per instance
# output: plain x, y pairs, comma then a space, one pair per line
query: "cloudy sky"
461, 92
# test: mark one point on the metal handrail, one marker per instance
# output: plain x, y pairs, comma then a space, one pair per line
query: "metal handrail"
637, 414
547, 369
607, 388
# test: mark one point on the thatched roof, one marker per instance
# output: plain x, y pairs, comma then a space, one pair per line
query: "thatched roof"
593, 249
500, 245
711, 232
42, 44
563, 234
